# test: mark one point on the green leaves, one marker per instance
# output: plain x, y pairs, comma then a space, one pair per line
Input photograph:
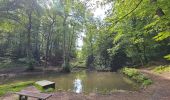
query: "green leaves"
6, 26
161, 68
162, 35
167, 57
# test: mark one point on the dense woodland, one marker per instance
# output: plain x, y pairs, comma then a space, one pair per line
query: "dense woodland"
45, 33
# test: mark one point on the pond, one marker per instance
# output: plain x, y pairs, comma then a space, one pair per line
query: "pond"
86, 82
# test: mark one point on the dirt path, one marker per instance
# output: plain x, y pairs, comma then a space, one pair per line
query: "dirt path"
159, 90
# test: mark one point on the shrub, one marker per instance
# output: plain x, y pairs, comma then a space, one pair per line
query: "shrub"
137, 76
147, 82
130, 71
31, 63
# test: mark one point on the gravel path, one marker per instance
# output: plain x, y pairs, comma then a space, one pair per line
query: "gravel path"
159, 90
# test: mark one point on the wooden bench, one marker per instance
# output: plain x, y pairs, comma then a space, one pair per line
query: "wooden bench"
23, 95
45, 84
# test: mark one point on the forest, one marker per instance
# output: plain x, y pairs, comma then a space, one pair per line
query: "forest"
71, 35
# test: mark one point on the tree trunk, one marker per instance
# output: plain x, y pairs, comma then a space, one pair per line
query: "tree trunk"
71, 42
37, 46
139, 54
144, 53
48, 42
159, 10
65, 52
29, 49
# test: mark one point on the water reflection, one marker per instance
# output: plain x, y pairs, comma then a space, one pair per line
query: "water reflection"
79, 82
77, 85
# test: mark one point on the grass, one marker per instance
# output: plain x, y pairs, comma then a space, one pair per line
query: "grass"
137, 76
161, 69
20, 86
14, 87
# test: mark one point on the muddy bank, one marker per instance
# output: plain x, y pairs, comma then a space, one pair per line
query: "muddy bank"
18, 71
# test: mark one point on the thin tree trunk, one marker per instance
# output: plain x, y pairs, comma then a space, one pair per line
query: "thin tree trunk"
144, 53
65, 49
48, 43
64, 40
71, 42
139, 51
37, 49
29, 51
159, 10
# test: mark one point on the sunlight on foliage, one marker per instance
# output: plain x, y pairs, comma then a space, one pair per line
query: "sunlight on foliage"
162, 35
14, 87
167, 57
137, 76
161, 69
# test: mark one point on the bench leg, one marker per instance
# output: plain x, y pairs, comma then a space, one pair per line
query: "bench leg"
26, 98
21, 97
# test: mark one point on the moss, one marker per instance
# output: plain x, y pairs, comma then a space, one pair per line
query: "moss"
14, 87
49, 90
38, 87
137, 76
43, 90
161, 69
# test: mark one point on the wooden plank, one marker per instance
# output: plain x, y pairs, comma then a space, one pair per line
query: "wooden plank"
46, 84
34, 95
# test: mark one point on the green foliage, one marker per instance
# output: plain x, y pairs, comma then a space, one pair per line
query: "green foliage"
8, 63
78, 63
147, 82
167, 57
130, 71
162, 68
66, 67
161, 36
126, 37
14, 87
34, 30
137, 76
48, 31
31, 63
135, 24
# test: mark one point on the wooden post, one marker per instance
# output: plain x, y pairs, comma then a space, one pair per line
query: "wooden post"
20, 97
26, 98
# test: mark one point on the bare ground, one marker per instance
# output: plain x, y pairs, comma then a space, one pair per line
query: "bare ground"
159, 90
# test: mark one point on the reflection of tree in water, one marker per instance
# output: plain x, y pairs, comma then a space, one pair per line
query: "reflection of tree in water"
77, 86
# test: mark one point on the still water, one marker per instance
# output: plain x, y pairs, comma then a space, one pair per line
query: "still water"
83, 81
